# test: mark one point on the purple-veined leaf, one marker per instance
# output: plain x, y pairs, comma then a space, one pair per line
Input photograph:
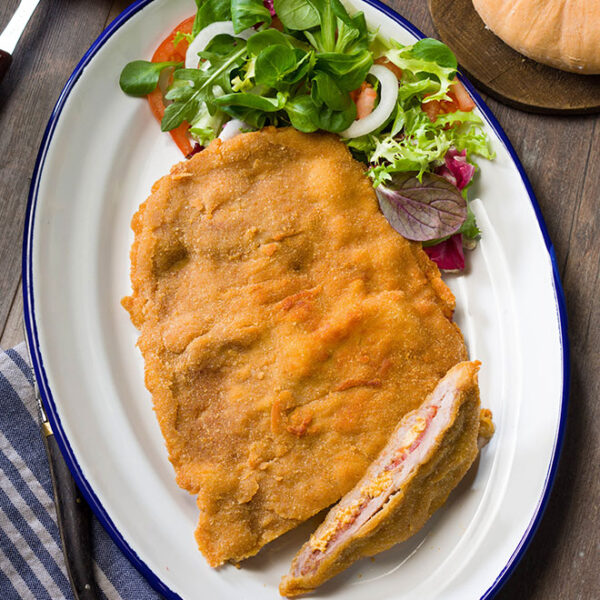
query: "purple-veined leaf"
423, 210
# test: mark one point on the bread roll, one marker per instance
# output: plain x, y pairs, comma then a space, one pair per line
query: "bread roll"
561, 33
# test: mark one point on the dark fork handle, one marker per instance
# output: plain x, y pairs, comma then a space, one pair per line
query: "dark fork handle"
5, 60
74, 523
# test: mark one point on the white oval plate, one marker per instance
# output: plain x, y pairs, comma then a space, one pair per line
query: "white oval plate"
100, 155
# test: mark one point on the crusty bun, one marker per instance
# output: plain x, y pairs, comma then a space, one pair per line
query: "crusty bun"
561, 33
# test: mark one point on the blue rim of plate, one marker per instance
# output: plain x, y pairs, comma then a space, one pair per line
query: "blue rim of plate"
38, 366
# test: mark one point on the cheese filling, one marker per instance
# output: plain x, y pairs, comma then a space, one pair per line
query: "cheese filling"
380, 487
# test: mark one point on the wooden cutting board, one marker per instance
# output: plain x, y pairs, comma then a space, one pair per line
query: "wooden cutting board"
505, 74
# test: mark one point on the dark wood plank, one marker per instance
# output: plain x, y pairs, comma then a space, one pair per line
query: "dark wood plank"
118, 6
560, 157
504, 73
573, 548
56, 38
582, 269
554, 150
12, 333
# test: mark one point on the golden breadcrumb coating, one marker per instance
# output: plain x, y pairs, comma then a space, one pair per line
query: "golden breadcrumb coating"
426, 457
285, 328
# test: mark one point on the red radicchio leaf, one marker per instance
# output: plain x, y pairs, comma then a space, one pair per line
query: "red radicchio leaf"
448, 255
197, 148
447, 174
269, 4
422, 210
456, 168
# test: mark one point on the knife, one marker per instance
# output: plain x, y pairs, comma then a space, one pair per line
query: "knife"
72, 513
13, 31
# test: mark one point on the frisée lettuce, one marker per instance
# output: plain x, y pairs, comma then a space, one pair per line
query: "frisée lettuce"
312, 65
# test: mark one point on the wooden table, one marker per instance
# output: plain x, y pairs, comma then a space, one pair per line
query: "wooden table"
560, 156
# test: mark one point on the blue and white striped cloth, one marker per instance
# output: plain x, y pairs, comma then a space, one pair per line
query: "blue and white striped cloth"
31, 560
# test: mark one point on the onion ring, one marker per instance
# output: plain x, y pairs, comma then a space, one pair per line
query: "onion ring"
387, 102
232, 128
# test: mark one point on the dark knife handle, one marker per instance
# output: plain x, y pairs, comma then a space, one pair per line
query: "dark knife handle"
74, 523
5, 60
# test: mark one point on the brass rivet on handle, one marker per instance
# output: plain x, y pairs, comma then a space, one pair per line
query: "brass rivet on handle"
46, 429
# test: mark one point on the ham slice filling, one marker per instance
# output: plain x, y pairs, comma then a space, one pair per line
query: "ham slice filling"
404, 453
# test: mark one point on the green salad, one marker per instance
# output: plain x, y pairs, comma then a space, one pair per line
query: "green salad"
310, 64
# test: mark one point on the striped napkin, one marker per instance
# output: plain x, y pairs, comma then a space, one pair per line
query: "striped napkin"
31, 560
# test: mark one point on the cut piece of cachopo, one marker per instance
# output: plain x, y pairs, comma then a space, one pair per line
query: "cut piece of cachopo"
427, 455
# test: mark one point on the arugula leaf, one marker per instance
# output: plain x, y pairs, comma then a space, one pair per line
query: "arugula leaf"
296, 14
192, 88
210, 11
220, 47
253, 101
179, 93
273, 63
140, 77
247, 13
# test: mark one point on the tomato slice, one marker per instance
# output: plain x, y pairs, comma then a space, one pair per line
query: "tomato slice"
461, 97
168, 51
366, 102
397, 71
448, 106
431, 109
364, 97
459, 100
